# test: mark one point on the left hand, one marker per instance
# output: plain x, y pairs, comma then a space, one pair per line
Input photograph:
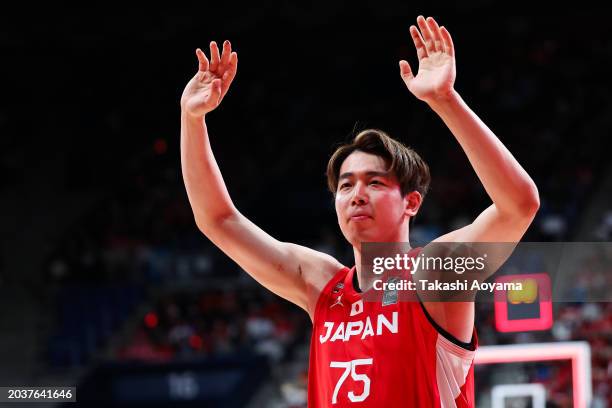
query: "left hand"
436, 76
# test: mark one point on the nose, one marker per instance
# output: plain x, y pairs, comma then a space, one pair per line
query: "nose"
360, 196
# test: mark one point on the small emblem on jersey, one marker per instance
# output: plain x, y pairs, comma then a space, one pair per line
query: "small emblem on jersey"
339, 286
390, 296
338, 301
357, 307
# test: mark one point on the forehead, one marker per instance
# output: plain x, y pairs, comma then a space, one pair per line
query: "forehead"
361, 162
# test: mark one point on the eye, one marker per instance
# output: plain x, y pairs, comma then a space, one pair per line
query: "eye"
376, 182
343, 185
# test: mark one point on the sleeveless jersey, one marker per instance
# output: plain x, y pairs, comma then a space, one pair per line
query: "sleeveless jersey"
384, 354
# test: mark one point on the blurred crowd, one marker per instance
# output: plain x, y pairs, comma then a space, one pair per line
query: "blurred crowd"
184, 325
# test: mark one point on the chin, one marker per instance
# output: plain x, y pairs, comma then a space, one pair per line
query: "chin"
359, 238
356, 236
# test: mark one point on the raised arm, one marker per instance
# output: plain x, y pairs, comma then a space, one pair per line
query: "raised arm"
513, 193
294, 272
206, 190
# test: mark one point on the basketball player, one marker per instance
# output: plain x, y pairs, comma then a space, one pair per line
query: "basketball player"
366, 354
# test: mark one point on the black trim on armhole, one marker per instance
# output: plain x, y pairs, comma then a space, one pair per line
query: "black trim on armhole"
356, 282
468, 346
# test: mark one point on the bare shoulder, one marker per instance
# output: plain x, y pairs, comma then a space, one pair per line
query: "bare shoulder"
317, 269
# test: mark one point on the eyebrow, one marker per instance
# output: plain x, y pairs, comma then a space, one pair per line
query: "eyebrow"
370, 173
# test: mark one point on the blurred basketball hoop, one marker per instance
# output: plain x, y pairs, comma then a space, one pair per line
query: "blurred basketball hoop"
579, 352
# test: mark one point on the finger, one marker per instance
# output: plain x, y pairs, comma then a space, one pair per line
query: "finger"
448, 41
405, 71
230, 73
214, 56
435, 31
427, 37
215, 93
227, 50
203, 61
418, 42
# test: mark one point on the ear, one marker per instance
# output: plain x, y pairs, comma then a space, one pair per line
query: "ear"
412, 202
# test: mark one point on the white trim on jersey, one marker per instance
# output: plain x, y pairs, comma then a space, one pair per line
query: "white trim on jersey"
452, 366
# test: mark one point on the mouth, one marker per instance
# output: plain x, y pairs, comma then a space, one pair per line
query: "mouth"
360, 218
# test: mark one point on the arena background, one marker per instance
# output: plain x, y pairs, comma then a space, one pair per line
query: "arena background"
105, 282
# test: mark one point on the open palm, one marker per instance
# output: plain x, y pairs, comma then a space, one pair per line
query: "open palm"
207, 88
436, 73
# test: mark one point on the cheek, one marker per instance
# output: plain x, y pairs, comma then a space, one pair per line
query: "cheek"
338, 205
341, 211
389, 207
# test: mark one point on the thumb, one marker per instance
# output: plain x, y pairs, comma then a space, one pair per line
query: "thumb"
215, 93
405, 71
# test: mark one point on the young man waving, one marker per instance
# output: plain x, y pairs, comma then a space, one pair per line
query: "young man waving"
366, 354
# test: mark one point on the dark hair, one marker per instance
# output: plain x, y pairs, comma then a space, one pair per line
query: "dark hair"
411, 171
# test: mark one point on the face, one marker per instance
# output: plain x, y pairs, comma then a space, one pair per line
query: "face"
369, 203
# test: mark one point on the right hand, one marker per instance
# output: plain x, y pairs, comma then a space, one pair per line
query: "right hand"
210, 84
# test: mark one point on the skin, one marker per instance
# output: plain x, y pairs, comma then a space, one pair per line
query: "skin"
297, 273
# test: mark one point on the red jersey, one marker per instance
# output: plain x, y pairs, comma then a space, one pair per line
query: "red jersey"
385, 354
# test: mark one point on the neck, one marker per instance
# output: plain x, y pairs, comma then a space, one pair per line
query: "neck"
357, 249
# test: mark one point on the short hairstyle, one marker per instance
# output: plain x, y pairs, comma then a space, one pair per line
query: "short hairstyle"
408, 167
